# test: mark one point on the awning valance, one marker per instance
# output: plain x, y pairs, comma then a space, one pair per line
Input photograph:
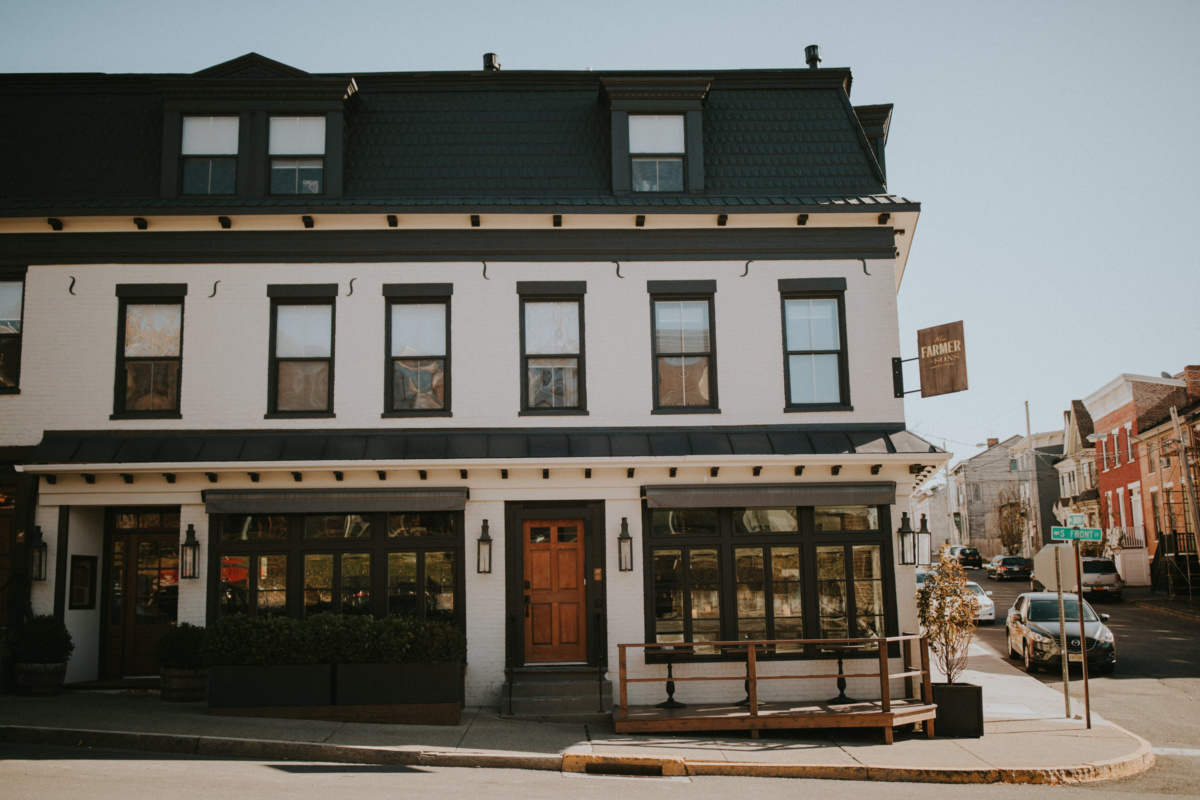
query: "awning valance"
219, 501
771, 495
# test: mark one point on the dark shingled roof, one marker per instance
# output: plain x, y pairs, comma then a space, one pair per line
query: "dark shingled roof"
771, 138
163, 447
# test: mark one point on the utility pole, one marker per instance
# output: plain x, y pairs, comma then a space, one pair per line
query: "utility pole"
1189, 488
1035, 512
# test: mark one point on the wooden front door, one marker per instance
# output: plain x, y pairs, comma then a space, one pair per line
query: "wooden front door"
141, 589
555, 605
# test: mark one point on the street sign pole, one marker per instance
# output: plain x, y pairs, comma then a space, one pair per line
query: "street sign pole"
1087, 701
1062, 630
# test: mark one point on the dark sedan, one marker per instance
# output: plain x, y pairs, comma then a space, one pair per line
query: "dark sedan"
1002, 568
1034, 634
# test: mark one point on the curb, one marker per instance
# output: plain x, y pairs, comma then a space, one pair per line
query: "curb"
589, 763
1171, 612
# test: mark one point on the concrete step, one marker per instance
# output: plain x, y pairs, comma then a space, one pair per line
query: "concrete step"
561, 689
547, 706
554, 674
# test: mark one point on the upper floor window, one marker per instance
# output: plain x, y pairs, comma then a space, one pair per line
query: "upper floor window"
1116, 449
297, 150
149, 350
656, 149
418, 363
552, 356
684, 346
12, 296
210, 148
1129, 443
815, 344
1151, 465
302, 327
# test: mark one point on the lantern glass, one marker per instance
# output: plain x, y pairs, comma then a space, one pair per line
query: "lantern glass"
37, 561
625, 548
189, 555
484, 555
908, 542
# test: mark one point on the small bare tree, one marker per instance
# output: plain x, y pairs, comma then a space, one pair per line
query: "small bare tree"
1012, 514
946, 608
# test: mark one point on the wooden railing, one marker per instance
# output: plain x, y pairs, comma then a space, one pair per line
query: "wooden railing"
913, 665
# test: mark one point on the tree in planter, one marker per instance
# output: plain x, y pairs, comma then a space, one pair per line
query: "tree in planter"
946, 608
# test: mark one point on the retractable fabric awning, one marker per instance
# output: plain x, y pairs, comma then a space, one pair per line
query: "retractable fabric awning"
219, 501
771, 495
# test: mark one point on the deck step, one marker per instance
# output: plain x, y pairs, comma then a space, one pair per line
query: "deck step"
565, 693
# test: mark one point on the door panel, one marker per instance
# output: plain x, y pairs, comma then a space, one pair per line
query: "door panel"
555, 600
142, 589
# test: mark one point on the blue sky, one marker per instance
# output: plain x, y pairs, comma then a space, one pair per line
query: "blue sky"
1051, 144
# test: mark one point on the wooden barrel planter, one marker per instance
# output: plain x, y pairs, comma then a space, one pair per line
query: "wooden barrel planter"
40, 680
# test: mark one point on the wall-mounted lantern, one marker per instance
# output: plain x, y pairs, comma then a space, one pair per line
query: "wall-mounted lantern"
37, 555
908, 542
484, 556
625, 547
924, 556
189, 555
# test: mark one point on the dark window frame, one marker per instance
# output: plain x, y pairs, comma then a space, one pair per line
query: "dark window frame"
272, 157
90, 568
236, 158
415, 294
697, 290
553, 292
300, 295
166, 294
295, 547
816, 289
658, 96
807, 539
682, 157
15, 275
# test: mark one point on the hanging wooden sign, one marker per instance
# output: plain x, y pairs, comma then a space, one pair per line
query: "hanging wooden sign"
943, 359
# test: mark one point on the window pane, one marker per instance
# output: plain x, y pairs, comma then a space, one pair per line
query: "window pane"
356, 583
553, 383
692, 522
668, 595
847, 518
812, 324
761, 520
252, 527
814, 379
657, 174
418, 385
318, 583
868, 591
402, 583
151, 385
704, 575
235, 585
10, 306
552, 328
209, 176
10, 351
152, 329
425, 523
272, 585
303, 331
297, 136
210, 136
439, 585
337, 526
296, 176
683, 381
418, 329
786, 595
302, 386
751, 593
651, 133
681, 326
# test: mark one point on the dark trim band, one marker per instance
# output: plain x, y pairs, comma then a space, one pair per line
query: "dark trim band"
360, 501
302, 290
418, 289
787, 285
771, 496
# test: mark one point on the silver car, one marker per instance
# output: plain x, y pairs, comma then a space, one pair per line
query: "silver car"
1100, 578
1033, 633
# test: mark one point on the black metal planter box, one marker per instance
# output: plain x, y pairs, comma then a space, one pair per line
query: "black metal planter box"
274, 686
959, 710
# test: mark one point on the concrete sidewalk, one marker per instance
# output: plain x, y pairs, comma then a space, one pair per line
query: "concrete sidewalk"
1027, 740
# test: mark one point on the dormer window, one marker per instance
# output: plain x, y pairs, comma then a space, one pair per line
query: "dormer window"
297, 150
210, 148
656, 149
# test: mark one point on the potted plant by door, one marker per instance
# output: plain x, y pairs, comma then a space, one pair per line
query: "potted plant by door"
183, 675
946, 608
40, 649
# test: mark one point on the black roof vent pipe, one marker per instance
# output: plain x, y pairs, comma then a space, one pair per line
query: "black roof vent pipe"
812, 54
491, 63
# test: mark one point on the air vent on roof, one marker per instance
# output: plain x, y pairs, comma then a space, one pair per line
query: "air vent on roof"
491, 63
812, 54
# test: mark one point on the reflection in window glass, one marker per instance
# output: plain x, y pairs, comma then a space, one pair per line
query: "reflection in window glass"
682, 343
847, 518
356, 583
750, 590
831, 592
252, 527
552, 347
689, 522
402, 583
418, 351
337, 526
439, 585
704, 577
668, 595
235, 585
423, 523
272, 584
318, 583
868, 591
762, 520
786, 596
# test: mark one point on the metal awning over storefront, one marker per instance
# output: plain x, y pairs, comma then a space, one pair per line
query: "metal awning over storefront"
361, 501
771, 495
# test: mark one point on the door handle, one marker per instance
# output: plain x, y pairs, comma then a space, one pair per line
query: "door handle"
526, 606
526, 585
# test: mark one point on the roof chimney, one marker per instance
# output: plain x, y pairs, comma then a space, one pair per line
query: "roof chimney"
992, 442
812, 54
491, 63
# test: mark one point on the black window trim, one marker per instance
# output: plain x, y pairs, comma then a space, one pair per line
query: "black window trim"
552, 291
815, 289
270, 157
166, 293
705, 290
16, 274
661, 95
244, 144
416, 294
300, 295
807, 539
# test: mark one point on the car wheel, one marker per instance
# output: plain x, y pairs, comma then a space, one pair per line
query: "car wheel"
1030, 666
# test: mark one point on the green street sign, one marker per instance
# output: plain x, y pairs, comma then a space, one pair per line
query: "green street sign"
1082, 534
1076, 520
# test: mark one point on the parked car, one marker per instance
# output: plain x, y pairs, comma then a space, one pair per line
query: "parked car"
968, 557
1100, 578
985, 613
1003, 568
1033, 633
